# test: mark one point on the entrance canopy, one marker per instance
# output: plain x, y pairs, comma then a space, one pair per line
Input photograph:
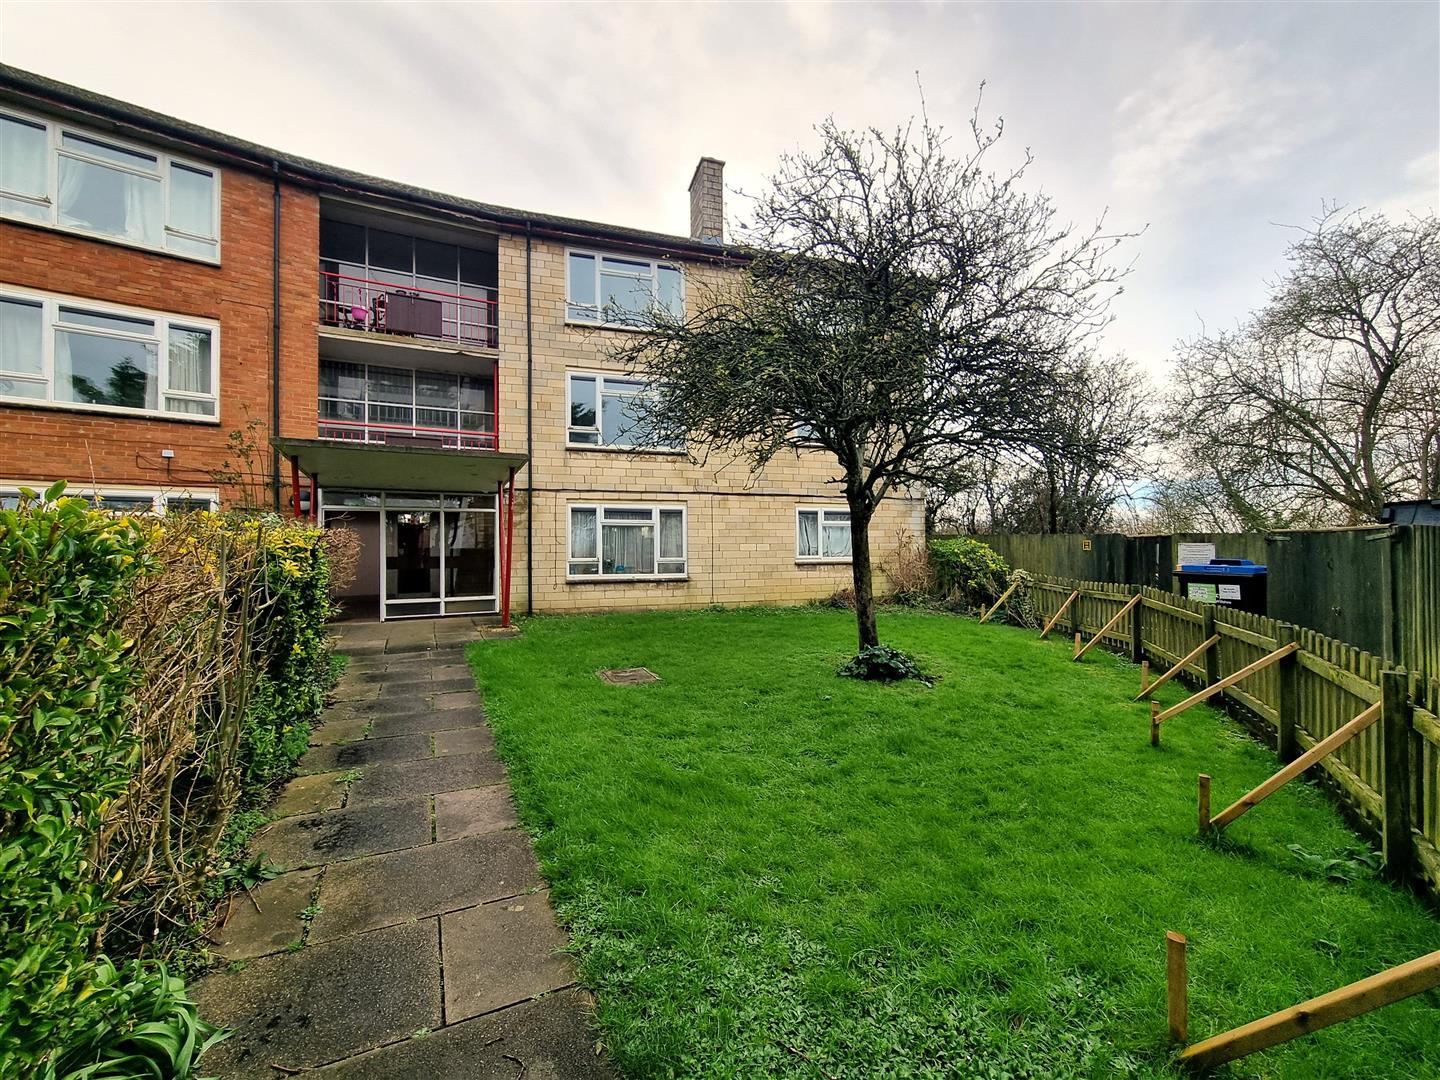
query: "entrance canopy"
398, 468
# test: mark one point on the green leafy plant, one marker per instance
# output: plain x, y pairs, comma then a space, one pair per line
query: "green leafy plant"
1351, 864
882, 663
152, 1033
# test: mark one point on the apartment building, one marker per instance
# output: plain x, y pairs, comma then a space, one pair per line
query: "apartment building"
430, 371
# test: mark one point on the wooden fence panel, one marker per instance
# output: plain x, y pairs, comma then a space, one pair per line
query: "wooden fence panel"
1425, 775
1244, 639
1170, 630
1333, 682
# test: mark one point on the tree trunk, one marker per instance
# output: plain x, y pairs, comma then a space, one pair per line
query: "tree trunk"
861, 573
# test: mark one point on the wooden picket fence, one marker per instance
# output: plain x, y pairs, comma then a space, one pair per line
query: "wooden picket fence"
1389, 774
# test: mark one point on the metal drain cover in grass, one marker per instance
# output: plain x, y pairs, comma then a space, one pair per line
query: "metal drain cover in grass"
630, 676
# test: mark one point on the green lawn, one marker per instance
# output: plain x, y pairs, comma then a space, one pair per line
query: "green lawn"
769, 870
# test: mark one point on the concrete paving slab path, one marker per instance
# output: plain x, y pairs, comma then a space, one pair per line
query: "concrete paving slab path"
413, 934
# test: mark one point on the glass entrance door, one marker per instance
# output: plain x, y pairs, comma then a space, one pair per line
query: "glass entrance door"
412, 562
440, 554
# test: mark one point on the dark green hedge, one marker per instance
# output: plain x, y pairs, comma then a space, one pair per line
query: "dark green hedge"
74, 716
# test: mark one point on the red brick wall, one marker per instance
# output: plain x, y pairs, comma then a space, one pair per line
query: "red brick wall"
47, 444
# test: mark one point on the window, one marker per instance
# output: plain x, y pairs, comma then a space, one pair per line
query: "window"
627, 541
119, 500
77, 354
52, 174
822, 533
611, 290
605, 410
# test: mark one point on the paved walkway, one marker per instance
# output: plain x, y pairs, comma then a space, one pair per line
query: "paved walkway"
411, 935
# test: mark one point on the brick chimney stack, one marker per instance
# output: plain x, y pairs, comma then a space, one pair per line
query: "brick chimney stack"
707, 201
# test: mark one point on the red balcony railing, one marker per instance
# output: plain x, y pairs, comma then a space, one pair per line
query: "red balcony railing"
410, 311
400, 435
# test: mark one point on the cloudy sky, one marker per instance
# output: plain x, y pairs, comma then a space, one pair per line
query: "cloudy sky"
1209, 125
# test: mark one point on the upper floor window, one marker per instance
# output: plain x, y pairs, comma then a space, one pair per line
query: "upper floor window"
616, 290
75, 353
52, 174
605, 410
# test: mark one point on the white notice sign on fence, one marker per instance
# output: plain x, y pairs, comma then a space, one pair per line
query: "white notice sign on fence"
1194, 554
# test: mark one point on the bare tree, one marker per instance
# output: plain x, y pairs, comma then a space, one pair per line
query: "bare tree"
902, 310
1074, 484
1322, 404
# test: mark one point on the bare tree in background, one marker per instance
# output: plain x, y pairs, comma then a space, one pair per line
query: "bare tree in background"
1102, 426
904, 309
1321, 407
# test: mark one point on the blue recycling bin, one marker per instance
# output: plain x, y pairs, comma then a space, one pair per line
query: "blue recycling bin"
1232, 583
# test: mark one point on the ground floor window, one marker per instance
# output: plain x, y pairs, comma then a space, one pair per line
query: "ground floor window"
822, 533
118, 500
627, 542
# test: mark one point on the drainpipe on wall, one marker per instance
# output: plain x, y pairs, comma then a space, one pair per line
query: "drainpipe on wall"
275, 343
529, 436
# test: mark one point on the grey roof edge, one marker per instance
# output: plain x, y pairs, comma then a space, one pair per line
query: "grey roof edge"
41, 90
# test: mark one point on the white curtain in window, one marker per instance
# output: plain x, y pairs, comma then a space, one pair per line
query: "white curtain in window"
142, 209
672, 534
808, 537
21, 337
23, 148
72, 182
582, 534
629, 549
189, 361
837, 540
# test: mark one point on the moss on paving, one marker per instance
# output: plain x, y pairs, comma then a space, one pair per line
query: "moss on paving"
768, 870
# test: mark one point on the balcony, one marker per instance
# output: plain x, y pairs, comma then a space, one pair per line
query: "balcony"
395, 406
409, 312
434, 438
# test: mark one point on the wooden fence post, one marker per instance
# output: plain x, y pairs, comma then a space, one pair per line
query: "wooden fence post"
1177, 1006
1287, 708
1396, 722
1212, 656
1137, 633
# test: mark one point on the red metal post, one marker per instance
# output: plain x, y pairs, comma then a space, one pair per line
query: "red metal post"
295, 487
314, 499
507, 556
495, 401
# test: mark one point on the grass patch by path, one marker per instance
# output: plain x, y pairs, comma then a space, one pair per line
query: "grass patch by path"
769, 870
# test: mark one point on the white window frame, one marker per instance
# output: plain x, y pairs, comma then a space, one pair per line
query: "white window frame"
600, 509
50, 305
600, 377
55, 131
821, 512
159, 497
598, 318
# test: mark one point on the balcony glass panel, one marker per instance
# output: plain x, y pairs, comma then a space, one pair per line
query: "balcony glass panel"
343, 242
437, 388
436, 260
391, 384
400, 415
391, 251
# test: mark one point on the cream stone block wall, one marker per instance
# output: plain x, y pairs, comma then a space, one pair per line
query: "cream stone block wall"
740, 524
